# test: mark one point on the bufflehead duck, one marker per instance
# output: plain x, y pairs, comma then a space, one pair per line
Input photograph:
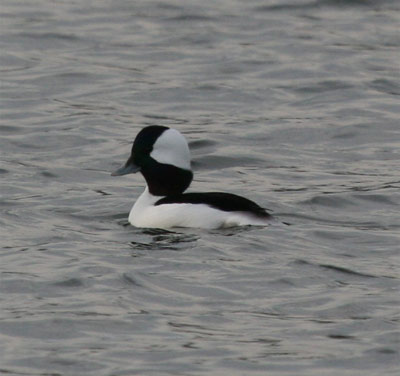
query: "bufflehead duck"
162, 155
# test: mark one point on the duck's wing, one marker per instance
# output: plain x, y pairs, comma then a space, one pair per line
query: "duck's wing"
219, 200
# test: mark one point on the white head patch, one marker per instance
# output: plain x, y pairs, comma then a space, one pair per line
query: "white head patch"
172, 148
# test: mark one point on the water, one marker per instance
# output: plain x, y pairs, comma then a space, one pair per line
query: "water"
294, 104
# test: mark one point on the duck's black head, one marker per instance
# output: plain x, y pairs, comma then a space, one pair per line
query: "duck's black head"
162, 155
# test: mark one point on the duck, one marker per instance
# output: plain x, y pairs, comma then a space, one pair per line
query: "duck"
161, 154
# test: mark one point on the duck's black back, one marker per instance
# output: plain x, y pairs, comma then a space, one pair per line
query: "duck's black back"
219, 200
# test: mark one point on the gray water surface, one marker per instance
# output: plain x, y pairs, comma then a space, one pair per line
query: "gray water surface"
293, 104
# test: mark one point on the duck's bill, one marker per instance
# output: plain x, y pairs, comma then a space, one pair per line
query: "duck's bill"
128, 168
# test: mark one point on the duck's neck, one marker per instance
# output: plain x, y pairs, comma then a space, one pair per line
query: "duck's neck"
166, 180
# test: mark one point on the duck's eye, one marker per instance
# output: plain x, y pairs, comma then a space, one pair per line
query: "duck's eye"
142, 149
